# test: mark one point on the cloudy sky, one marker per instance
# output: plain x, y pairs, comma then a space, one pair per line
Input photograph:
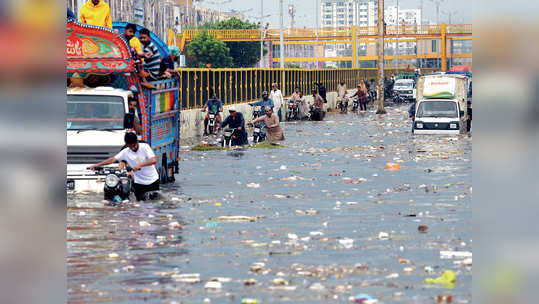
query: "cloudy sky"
306, 9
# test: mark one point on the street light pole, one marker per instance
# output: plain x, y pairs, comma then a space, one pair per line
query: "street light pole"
397, 39
354, 34
381, 32
281, 35
316, 33
261, 33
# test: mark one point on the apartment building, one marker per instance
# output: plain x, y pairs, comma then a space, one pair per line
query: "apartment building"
340, 13
408, 16
344, 13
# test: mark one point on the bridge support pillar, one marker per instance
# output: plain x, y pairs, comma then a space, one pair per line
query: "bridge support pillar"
444, 46
354, 47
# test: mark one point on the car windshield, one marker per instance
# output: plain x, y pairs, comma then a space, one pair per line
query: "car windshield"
95, 112
437, 109
406, 84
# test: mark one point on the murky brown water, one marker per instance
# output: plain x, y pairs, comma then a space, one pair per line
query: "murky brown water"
317, 215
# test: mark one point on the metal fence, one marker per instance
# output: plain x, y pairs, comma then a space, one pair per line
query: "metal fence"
243, 85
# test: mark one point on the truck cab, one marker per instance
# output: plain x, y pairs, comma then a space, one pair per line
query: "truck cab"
438, 116
95, 132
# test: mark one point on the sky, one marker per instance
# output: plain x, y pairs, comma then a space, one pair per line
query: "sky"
306, 10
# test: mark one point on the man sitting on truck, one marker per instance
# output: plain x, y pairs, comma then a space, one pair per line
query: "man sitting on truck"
129, 35
136, 52
167, 67
152, 61
141, 158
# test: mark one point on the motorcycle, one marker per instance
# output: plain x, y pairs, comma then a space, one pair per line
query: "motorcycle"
259, 135
316, 114
118, 183
373, 95
355, 104
228, 136
343, 105
397, 98
212, 119
292, 113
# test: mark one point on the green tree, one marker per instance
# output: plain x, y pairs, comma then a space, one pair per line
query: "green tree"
244, 54
204, 49
292, 66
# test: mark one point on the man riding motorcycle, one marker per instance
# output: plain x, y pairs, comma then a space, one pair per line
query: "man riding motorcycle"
214, 106
236, 121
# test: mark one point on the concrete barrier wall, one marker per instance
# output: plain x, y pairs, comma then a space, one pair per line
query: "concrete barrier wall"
192, 121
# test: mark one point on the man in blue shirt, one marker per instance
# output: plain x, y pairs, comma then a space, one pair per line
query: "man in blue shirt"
214, 106
236, 121
263, 103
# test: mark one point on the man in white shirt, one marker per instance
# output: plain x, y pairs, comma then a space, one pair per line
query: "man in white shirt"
141, 158
278, 101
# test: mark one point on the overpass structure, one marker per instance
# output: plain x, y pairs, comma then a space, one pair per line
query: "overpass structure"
429, 41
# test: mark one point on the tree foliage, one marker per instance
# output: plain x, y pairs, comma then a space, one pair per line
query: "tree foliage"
204, 49
244, 54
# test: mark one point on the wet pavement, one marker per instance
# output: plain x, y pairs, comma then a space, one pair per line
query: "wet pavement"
319, 221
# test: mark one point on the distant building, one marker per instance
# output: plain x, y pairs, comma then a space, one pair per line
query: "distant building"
408, 16
346, 13
160, 15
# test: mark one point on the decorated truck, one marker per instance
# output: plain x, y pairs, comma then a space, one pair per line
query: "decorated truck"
441, 104
101, 77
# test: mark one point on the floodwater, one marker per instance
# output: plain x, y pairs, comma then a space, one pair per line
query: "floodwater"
315, 213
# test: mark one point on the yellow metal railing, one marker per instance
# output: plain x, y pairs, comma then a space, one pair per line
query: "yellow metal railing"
247, 35
234, 86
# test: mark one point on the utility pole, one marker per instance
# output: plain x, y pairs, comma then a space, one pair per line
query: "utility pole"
316, 33
354, 34
261, 33
397, 39
437, 12
281, 40
419, 42
437, 3
381, 32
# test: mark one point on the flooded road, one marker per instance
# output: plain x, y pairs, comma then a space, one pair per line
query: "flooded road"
319, 221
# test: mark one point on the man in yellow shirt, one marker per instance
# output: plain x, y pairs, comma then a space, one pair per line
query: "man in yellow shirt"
96, 12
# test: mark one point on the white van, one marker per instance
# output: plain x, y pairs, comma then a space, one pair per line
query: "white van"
441, 106
439, 116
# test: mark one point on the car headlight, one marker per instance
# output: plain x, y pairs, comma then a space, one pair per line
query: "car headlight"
419, 125
112, 180
453, 126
